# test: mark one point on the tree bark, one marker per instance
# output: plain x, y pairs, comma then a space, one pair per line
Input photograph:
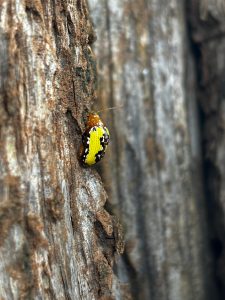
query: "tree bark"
163, 62
56, 239
154, 172
208, 38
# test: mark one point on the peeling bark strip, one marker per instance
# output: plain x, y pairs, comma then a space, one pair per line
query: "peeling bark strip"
56, 239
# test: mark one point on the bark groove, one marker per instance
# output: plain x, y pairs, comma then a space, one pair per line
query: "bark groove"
50, 247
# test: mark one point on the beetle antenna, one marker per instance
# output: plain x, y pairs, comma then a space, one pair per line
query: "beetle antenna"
110, 108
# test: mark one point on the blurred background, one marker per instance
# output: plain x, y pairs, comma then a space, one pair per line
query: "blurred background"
164, 63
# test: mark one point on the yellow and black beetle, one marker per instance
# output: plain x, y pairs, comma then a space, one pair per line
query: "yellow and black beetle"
95, 140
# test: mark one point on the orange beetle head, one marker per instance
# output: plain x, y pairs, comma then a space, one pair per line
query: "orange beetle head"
93, 119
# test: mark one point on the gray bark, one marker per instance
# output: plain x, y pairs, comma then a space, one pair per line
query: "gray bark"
154, 173
56, 239
208, 38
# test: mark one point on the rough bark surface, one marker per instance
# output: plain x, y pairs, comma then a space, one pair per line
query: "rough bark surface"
153, 174
207, 27
56, 239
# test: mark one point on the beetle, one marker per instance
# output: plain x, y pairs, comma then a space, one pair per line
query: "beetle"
95, 140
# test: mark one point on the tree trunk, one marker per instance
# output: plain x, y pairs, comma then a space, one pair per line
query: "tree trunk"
163, 62
56, 239
155, 173
207, 25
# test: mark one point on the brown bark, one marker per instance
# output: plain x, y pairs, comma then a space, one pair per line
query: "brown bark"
163, 61
56, 239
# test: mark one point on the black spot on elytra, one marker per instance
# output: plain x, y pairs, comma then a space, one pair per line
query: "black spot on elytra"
85, 141
99, 155
104, 140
